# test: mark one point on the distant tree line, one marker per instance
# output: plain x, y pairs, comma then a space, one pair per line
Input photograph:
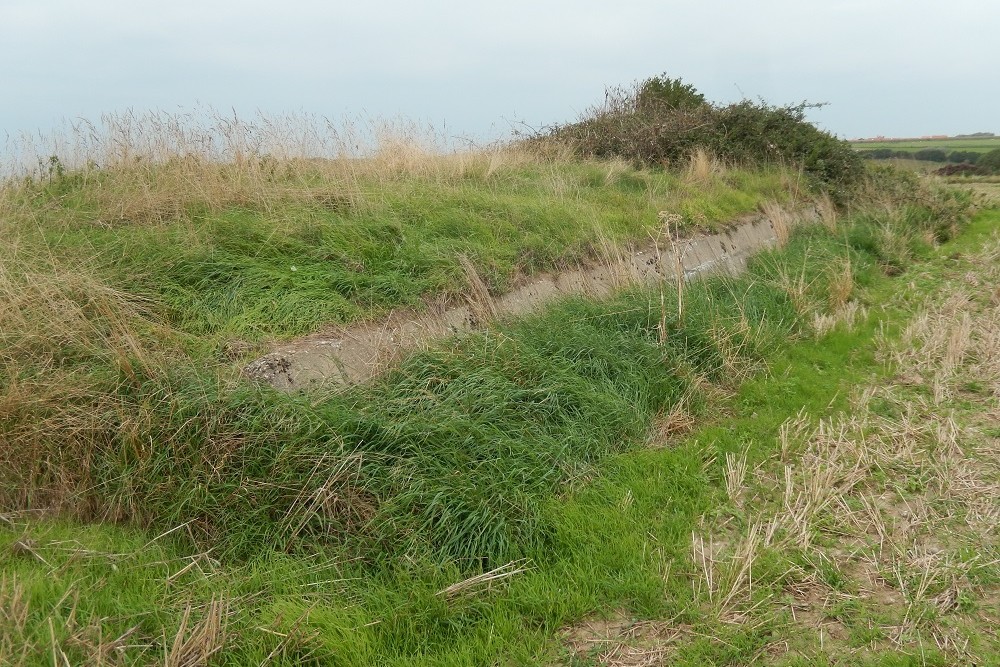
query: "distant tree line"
926, 154
988, 164
961, 163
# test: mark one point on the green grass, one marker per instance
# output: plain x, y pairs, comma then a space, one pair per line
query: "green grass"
447, 455
595, 556
330, 523
336, 251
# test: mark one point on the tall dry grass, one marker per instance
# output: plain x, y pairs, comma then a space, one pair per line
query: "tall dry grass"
151, 167
703, 166
59, 325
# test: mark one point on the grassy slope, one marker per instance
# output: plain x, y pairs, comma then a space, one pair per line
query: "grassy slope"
120, 286
117, 335
620, 541
580, 564
260, 255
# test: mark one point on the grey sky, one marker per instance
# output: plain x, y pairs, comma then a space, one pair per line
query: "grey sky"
893, 67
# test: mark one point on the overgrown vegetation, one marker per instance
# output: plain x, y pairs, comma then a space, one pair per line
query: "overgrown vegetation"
156, 506
662, 121
620, 538
925, 154
448, 455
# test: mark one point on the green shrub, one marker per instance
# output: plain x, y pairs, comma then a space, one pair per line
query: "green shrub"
969, 157
664, 92
660, 121
931, 155
990, 162
878, 154
752, 132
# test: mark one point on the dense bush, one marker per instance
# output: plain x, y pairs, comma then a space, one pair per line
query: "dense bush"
661, 91
990, 162
962, 169
985, 164
755, 132
927, 154
931, 155
968, 157
660, 121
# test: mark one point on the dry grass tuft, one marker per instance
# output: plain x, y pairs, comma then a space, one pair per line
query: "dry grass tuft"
736, 475
196, 642
74, 639
155, 167
14, 614
702, 167
827, 212
615, 168
841, 285
726, 573
672, 423
780, 222
848, 316
481, 302
485, 581
614, 261
621, 641
341, 497
55, 319
945, 342
55, 314
735, 342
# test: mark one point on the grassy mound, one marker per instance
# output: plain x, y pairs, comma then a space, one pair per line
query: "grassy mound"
120, 396
615, 532
448, 455
243, 245
128, 292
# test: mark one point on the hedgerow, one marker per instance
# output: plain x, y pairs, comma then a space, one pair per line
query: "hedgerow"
660, 121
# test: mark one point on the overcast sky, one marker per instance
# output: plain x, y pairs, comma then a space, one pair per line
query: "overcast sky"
892, 67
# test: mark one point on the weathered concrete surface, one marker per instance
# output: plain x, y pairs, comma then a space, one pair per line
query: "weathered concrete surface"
357, 353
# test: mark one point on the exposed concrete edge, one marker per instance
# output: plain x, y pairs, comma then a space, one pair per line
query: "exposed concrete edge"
356, 353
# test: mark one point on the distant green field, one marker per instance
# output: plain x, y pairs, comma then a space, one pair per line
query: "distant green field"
978, 144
